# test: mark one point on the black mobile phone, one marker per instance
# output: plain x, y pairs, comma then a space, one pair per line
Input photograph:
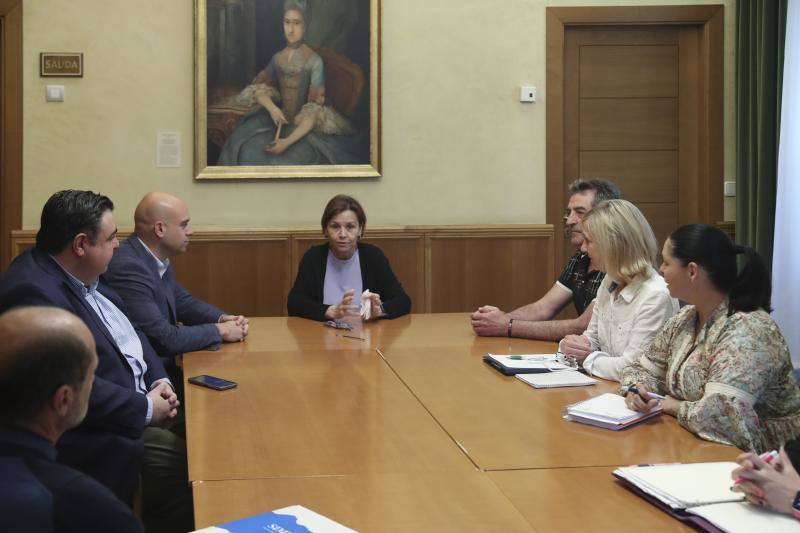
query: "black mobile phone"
212, 382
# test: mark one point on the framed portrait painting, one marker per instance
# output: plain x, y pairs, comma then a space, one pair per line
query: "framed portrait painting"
287, 89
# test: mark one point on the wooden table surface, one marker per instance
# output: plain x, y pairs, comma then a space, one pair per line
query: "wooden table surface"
405, 427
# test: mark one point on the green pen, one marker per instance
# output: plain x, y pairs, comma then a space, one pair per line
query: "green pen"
528, 357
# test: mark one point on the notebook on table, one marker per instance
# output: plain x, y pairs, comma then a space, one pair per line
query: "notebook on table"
607, 411
292, 519
699, 493
564, 378
511, 365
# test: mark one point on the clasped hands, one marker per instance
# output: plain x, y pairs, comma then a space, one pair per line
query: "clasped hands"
165, 403
347, 307
767, 484
490, 321
233, 328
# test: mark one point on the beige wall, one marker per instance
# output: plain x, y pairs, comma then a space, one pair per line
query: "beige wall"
458, 148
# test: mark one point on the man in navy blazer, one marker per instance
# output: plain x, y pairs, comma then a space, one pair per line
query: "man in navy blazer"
173, 320
131, 395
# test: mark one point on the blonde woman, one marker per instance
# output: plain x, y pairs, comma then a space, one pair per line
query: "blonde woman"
633, 301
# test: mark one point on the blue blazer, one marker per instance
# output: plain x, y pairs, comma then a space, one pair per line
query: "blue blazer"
173, 320
108, 444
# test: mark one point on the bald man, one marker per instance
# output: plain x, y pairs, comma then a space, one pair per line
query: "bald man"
47, 364
174, 321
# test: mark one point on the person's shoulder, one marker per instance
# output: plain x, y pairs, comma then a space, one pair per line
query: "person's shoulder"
30, 274
310, 54
316, 251
81, 501
127, 258
369, 250
654, 283
758, 320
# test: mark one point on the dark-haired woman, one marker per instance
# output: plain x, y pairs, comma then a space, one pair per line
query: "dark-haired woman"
721, 361
332, 276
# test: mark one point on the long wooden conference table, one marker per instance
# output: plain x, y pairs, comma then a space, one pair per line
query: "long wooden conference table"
400, 425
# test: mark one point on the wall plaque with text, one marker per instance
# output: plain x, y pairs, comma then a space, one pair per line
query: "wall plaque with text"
60, 65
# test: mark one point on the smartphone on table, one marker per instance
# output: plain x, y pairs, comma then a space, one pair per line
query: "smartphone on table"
212, 382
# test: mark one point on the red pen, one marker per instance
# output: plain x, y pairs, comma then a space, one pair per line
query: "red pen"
767, 457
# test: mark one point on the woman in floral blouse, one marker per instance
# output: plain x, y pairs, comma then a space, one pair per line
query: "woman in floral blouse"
721, 361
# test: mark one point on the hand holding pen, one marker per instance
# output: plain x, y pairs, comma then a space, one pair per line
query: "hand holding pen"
638, 398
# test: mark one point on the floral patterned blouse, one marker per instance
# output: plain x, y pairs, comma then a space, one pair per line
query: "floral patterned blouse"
736, 380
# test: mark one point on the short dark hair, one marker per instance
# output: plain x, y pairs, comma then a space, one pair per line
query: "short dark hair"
68, 213
603, 189
31, 372
339, 204
712, 249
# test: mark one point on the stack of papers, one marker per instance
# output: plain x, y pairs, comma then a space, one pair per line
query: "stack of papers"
699, 493
525, 363
607, 411
564, 378
684, 485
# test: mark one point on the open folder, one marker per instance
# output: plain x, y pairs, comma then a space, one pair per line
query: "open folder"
607, 411
511, 365
699, 493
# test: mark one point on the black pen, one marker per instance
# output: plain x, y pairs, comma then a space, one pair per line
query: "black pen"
353, 337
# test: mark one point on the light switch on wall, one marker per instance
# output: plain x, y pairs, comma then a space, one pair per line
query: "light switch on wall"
54, 93
527, 93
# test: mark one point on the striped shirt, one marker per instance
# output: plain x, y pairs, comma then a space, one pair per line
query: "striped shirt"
121, 330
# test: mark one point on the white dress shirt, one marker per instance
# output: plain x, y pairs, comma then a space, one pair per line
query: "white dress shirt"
624, 322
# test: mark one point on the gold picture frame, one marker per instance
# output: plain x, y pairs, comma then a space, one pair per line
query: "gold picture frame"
222, 120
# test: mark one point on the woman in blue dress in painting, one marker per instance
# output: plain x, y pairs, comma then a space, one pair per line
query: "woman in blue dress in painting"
291, 94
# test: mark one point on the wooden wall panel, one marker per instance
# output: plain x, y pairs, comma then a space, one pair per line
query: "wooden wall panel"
629, 124
442, 268
249, 277
629, 71
642, 176
506, 270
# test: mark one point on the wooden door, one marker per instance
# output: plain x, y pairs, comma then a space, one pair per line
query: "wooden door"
639, 104
10, 124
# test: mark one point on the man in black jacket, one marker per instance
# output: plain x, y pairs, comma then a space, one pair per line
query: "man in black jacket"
47, 364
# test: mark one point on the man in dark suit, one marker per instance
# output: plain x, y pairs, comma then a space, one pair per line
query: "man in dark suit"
131, 396
173, 320
47, 364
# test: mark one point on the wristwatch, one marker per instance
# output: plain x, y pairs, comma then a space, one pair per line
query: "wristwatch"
796, 505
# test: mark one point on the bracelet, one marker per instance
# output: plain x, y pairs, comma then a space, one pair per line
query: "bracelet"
510, 324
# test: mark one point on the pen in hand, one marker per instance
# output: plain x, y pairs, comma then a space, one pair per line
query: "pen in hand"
651, 395
767, 457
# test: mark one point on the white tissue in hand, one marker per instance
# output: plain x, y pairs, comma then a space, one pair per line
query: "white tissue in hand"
366, 304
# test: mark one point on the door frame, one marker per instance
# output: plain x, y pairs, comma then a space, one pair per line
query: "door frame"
10, 124
710, 20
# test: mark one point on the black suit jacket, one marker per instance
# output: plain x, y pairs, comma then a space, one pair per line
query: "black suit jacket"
173, 320
48, 496
305, 298
108, 444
